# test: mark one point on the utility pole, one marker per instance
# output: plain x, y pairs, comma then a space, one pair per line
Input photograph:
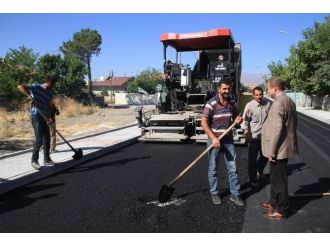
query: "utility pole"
297, 38
111, 91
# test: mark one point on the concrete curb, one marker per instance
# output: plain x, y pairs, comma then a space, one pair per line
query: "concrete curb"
69, 140
49, 171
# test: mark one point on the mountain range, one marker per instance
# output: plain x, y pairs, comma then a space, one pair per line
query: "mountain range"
252, 78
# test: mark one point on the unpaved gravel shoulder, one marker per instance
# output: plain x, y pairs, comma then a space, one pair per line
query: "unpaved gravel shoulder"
105, 119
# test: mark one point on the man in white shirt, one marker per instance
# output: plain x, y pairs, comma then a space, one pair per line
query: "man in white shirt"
254, 115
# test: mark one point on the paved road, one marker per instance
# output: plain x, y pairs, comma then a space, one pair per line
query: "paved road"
308, 173
118, 193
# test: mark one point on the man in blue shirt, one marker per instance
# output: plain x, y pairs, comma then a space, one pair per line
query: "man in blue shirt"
40, 96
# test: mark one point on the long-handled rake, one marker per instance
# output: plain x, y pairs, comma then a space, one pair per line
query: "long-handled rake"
166, 191
78, 153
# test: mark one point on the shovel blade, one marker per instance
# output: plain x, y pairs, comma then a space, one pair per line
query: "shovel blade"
78, 154
165, 193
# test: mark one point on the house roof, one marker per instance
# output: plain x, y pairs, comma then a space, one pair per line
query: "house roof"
114, 82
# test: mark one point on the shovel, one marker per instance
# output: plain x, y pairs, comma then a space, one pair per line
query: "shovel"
311, 194
78, 153
166, 191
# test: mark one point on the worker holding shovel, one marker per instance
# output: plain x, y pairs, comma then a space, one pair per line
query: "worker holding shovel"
217, 118
40, 96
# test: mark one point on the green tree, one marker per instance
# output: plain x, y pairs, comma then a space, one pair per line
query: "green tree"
309, 61
147, 80
73, 72
104, 92
278, 69
49, 65
321, 79
84, 45
18, 66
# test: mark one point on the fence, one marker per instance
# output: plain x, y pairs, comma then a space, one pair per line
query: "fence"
300, 99
135, 99
304, 100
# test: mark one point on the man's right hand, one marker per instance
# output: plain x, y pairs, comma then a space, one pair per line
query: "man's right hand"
248, 135
215, 142
30, 99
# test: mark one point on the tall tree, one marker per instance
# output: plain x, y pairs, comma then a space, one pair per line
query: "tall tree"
73, 72
308, 63
84, 45
307, 68
49, 65
69, 71
278, 69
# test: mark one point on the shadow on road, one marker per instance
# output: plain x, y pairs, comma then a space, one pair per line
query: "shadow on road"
121, 162
297, 203
293, 168
192, 192
247, 191
22, 197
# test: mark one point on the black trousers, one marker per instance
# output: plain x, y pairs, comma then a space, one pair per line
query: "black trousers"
279, 197
255, 164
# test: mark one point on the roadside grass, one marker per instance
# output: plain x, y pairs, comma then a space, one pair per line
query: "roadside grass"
16, 124
70, 108
11, 123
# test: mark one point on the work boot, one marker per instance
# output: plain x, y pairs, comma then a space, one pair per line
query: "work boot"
254, 185
216, 199
35, 165
49, 162
260, 175
237, 200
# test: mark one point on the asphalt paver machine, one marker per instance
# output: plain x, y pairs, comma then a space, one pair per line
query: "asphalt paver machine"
184, 90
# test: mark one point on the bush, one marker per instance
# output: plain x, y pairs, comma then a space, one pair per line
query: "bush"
70, 108
104, 92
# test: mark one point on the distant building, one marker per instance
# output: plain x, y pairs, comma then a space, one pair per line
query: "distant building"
112, 85
251, 85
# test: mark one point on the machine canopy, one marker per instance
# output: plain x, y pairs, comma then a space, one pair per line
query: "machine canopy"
210, 40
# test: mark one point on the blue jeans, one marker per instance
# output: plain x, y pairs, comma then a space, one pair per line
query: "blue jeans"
41, 132
256, 165
229, 154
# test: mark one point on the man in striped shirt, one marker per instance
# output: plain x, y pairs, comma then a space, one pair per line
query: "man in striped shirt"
218, 114
40, 96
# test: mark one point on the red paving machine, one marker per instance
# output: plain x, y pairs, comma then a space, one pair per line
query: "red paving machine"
185, 90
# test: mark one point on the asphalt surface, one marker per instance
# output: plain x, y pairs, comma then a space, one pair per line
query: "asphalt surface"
118, 193
309, 172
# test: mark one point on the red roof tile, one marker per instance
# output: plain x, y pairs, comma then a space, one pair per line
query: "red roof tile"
116, 81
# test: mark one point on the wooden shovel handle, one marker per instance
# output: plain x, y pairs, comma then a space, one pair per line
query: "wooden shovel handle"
311, 194
201, 155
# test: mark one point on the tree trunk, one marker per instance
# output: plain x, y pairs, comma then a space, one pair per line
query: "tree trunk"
90, 83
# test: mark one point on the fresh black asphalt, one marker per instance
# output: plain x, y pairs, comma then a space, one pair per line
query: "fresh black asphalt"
118, 193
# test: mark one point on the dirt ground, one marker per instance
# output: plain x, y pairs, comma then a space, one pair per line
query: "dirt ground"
105, 119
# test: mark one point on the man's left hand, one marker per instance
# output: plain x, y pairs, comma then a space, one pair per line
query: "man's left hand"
271, 159
50, 121
238, 120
